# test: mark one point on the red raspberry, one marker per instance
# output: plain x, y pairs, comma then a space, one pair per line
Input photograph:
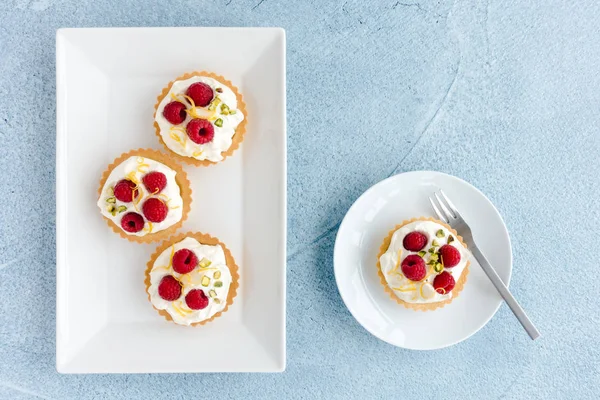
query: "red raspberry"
155, 182
155, 210
450, 256
169, 288
444, 283
174, 112
125, 191
184, 261
413, 267
201, 93
414, 241
200, 131
196, 299
132, 222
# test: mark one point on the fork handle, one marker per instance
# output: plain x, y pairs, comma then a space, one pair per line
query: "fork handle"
505, 293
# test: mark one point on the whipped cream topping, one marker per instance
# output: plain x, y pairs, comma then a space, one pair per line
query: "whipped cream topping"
175, 136
421, 291
214, 280
134, 169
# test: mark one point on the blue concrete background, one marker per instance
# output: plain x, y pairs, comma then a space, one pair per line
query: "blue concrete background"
504, 94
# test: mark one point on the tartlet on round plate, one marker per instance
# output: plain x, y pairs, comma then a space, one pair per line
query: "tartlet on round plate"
423, 264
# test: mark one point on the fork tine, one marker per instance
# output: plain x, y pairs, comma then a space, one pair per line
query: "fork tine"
450, 204
437, 211
449, 213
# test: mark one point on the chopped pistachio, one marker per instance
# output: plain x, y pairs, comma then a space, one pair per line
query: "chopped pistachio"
214, 103
121, 209
431, 250
224, 109
231, 112
450, 239
435, 243
219, 90
219, 122
205, 281
422, 254
434, 257
440, 233
217, 274
217, 301
218, 284
111, 200
212, 293
204, 263
110, 191
438, 267
431, 262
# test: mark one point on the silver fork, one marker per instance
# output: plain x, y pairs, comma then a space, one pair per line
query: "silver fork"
453, 218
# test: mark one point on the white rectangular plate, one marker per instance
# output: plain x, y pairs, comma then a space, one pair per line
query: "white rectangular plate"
107, 81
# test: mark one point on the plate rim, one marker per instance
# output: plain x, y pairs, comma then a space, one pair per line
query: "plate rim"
62, 35
337, 269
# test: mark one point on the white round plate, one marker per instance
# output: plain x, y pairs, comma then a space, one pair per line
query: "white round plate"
368, 222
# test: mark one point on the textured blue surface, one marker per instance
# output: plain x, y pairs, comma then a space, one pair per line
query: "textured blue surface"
503, 94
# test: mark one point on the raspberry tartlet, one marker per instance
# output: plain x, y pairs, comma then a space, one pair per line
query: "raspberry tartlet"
423, 264
144, 196
191, 279
200, 117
